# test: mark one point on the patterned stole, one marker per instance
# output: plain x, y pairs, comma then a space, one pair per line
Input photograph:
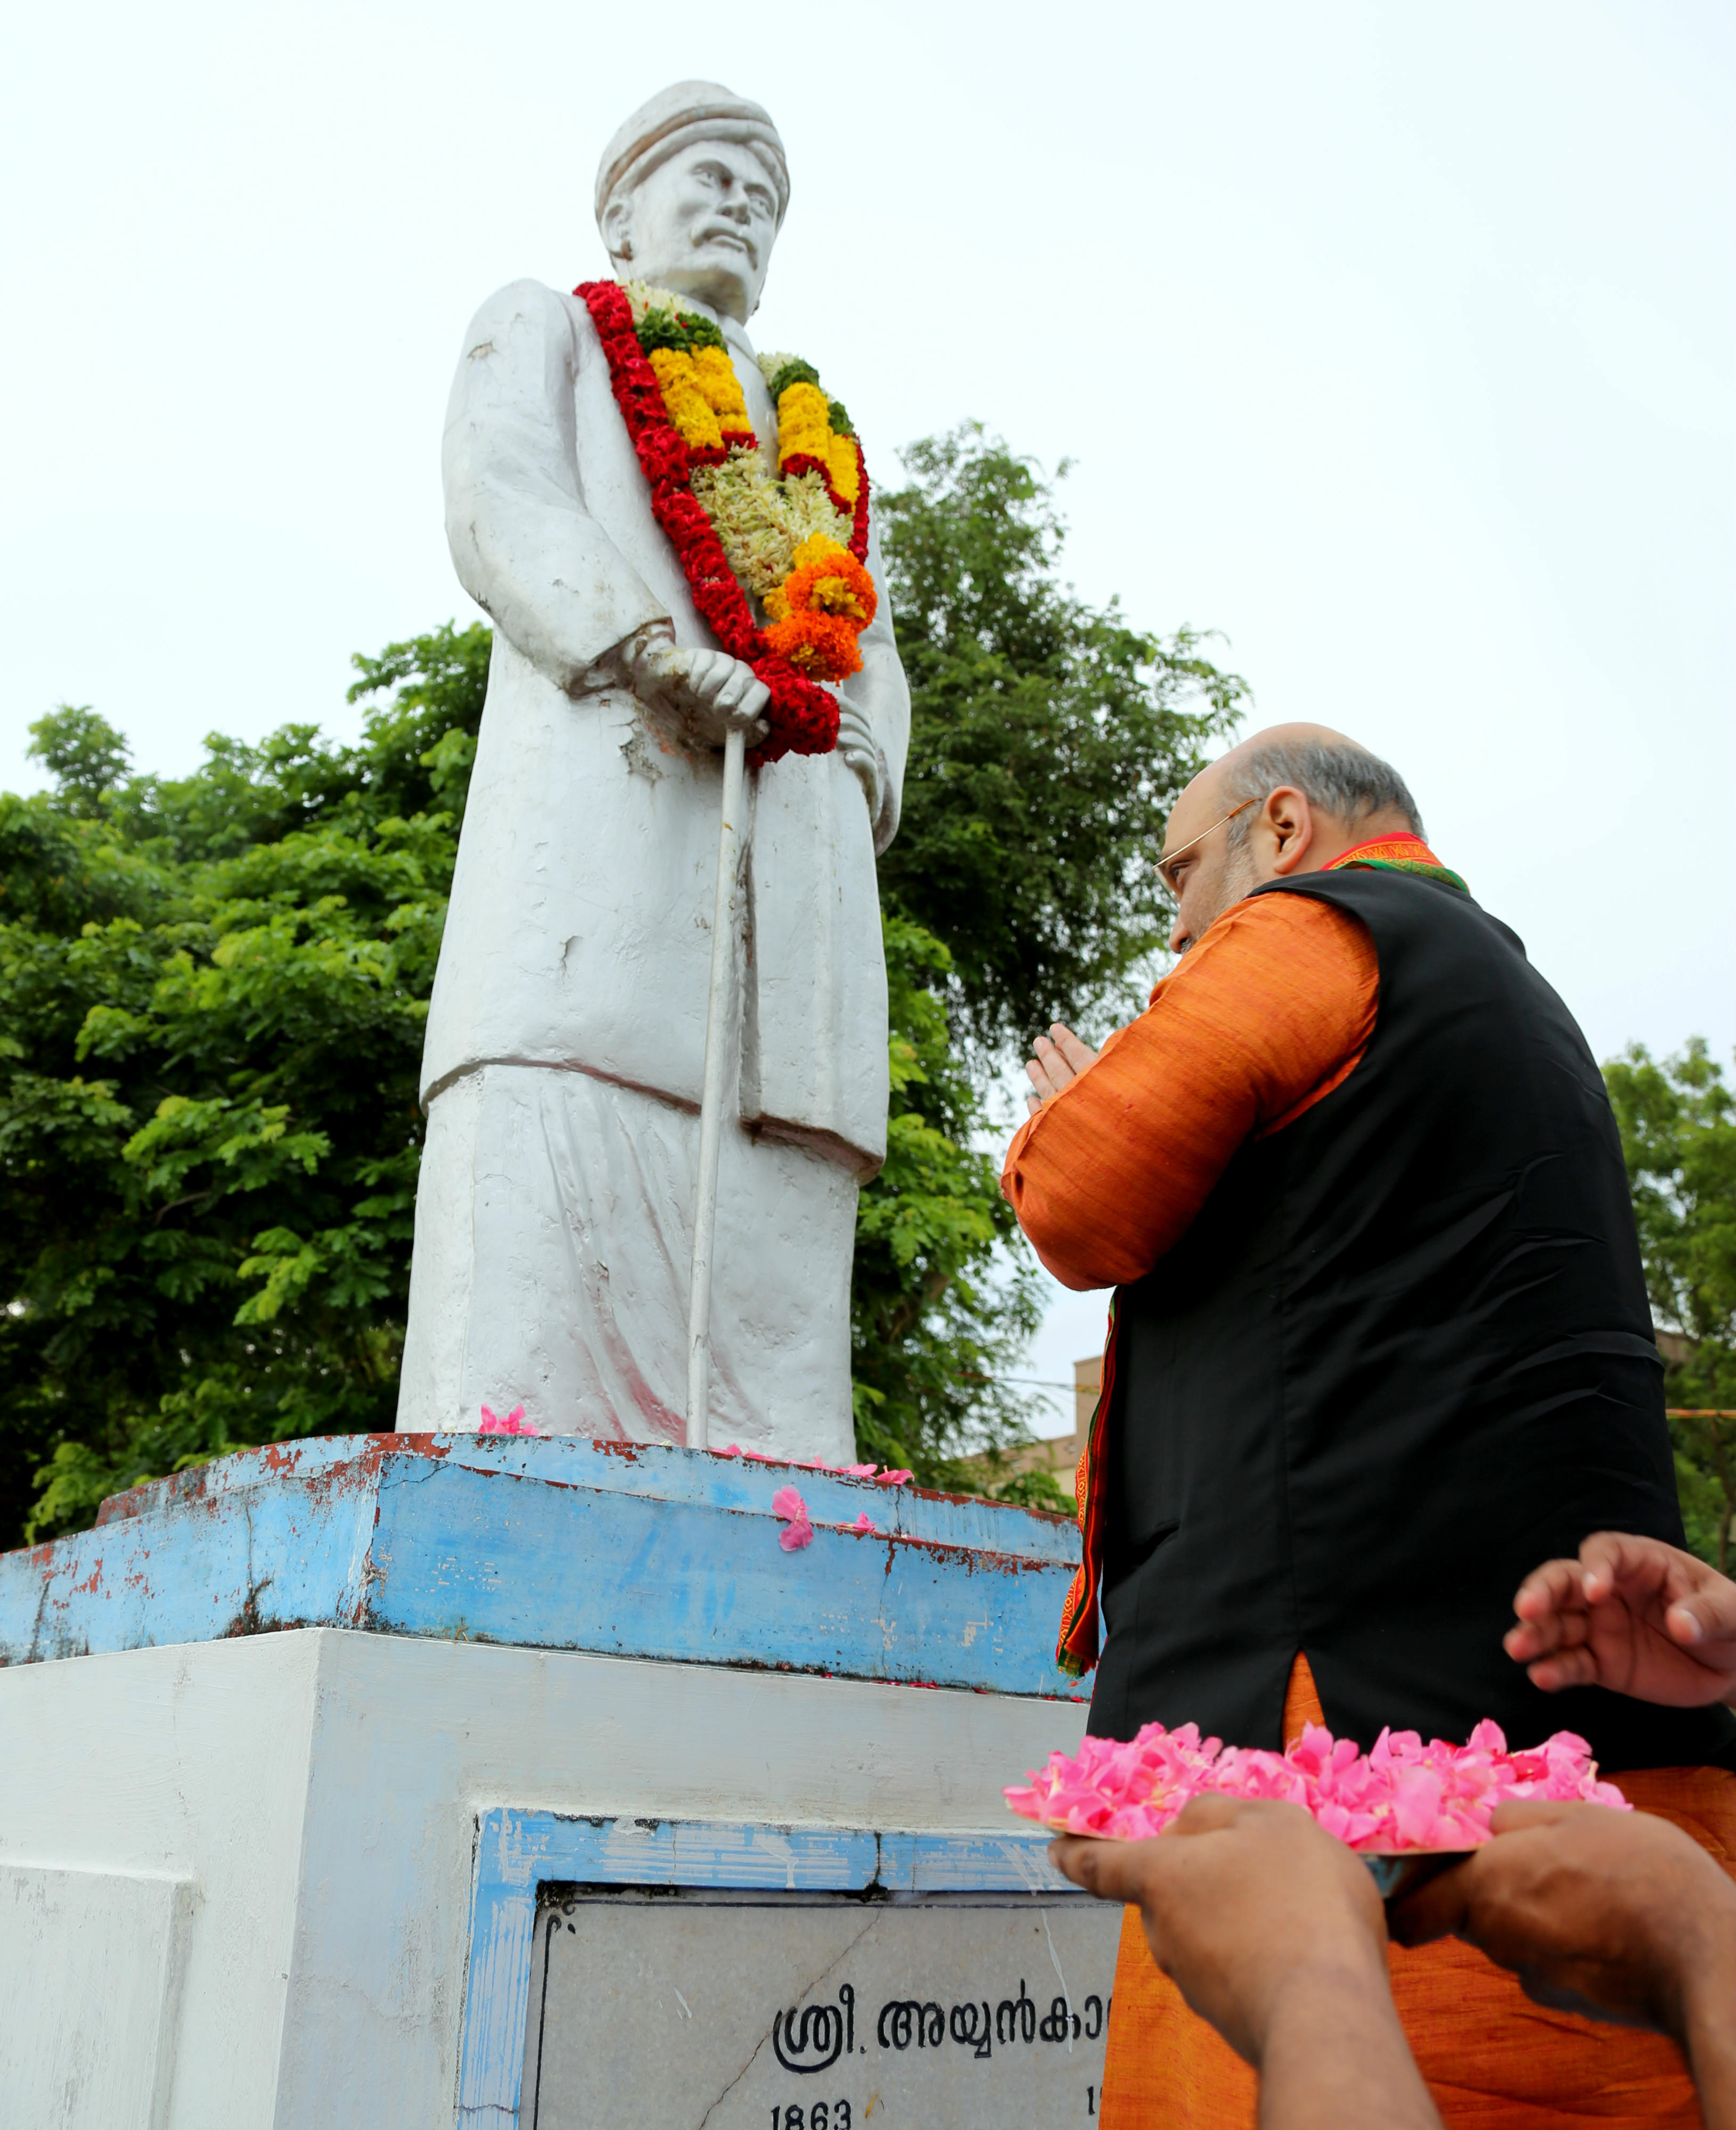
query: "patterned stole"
1399, 854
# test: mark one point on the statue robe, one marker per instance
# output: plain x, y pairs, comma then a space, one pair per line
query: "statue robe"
564, 1050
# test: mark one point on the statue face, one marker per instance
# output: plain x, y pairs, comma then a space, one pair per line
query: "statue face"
703, 223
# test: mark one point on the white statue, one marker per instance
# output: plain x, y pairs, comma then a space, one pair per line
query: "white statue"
562, 1067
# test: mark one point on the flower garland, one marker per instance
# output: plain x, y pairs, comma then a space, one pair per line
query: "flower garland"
814, 435
739, 530
1400, 1795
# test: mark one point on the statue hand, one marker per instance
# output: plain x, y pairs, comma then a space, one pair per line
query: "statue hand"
861, 751
721, 693
709, 690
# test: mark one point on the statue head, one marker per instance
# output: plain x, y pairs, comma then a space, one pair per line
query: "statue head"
691, 192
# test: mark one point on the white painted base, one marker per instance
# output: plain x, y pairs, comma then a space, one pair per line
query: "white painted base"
284, 1825
90, 1972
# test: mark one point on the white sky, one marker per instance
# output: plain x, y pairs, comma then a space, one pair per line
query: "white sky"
1395, 341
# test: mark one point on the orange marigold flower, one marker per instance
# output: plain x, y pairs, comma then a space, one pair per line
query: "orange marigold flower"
827, 579
820, 645
839, 596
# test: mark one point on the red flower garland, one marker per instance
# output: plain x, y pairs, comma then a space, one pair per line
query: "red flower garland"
803, 716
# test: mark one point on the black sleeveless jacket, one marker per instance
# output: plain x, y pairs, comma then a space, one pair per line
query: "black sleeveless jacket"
1403, 1356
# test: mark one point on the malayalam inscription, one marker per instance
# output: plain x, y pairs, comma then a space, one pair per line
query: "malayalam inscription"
817, 2012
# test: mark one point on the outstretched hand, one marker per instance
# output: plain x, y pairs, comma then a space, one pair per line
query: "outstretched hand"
1272, 1931
1631, 1614
1058, 1058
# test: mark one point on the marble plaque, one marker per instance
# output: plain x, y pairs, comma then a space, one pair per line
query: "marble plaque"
714, 2011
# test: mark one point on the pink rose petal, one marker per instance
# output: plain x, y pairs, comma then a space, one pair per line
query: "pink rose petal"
514, 1423
1417, 1797
864, 1523
797, 1531
1401, 1795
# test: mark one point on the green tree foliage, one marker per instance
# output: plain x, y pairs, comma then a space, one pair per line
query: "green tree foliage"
1678, 1127
213, 990
1048, 740
84, 753
938, 1316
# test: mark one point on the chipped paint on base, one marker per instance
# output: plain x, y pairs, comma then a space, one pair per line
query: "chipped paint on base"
553, 1543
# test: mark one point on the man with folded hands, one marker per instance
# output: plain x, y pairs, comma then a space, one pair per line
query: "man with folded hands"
1381, 1338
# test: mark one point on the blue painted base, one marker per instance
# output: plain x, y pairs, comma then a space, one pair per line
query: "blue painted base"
553, 1543
183, 1690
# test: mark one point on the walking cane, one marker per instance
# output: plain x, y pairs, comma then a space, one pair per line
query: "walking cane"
712, 1096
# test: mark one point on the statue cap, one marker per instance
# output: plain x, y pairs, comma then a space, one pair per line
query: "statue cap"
685, 111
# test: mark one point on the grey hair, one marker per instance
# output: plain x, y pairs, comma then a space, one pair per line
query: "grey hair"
1347, 782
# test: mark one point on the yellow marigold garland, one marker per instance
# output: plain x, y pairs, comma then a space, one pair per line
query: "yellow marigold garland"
803, 422
843, 463
808, 440
722, 388
686, 404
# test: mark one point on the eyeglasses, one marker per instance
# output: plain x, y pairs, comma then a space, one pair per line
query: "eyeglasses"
1169, 857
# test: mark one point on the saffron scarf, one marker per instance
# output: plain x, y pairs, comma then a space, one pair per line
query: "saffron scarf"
1399, 854
1079, 1640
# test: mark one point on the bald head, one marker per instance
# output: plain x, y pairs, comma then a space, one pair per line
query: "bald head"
1339, 777
1297, 796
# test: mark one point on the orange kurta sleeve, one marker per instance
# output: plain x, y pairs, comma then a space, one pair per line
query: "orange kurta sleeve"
1270, 1011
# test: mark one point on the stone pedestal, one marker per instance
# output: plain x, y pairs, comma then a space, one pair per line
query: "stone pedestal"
429, 1780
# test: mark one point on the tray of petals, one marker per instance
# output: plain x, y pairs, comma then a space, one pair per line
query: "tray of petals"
1398, 1805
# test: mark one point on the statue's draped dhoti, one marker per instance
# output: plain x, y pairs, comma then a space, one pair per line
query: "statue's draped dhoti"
552, 1246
